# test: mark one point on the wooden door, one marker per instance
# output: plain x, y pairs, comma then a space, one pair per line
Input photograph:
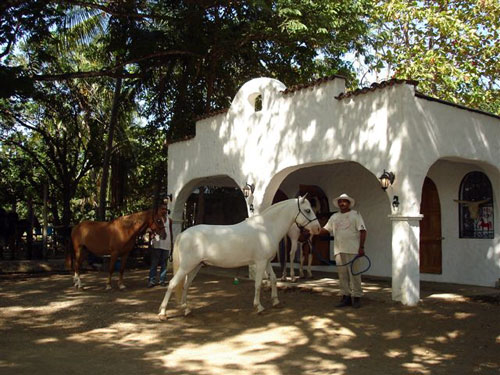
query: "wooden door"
430, 229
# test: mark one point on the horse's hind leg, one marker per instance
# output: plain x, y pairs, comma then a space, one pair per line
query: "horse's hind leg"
189, 279
274, 289
178, 277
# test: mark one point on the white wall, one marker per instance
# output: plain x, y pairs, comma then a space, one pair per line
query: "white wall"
388, 128
464, 260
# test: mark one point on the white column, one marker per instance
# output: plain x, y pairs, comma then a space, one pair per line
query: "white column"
406, 258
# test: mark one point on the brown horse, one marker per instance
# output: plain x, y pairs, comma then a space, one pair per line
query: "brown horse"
115, 238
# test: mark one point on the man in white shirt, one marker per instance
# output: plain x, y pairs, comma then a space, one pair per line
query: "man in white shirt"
349, 233
160, 251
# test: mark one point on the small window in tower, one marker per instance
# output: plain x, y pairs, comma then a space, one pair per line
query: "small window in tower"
258, 103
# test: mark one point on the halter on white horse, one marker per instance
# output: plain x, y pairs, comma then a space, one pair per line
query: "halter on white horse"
253, 241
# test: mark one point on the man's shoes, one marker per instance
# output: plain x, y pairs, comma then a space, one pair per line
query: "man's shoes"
356, 303
344, 301
150, 285
163, 283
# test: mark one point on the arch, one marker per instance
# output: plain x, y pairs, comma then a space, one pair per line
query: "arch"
181, 214
279, 196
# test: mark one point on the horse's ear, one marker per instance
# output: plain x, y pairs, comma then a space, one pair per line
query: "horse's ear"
302, 199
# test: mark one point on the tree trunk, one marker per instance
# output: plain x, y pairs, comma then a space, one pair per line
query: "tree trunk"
45, 218
29, 232
101, 213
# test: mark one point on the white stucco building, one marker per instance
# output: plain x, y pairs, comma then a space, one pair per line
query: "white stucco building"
322, 139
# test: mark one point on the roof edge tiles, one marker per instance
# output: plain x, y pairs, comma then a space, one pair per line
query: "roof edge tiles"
289, 90
375, 86
432, 99
319, 81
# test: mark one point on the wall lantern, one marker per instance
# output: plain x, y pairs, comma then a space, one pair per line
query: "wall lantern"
248, 190
395, 202
386, 179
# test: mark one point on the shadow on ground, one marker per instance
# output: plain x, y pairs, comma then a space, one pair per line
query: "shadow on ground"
49, 327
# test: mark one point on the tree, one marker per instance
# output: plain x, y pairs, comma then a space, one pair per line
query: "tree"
51, 134
175, 61
451, 47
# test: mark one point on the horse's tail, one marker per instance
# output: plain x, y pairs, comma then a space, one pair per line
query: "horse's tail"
176, 261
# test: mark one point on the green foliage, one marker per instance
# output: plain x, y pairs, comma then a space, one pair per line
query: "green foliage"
180, 59
451, 47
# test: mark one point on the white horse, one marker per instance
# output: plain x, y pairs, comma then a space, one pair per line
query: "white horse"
296, 243
253, 241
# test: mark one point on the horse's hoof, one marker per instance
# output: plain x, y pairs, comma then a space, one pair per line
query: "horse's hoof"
187, 312
276, 303
162, 317
294, 280
108, 287
259, 309
122, 286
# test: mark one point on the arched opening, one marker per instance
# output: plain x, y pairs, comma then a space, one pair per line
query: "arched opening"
219, 205
476, 206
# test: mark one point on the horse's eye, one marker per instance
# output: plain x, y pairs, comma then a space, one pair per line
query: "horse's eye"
308, 210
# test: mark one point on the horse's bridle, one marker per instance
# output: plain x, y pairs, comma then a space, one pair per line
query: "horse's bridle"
302, 227
158, 228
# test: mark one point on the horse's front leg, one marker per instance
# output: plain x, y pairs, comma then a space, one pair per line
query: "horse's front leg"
283, 259
293, 250
302, 256
77, 265
112, 261
260, 267
309, 261
274, 289
124, 257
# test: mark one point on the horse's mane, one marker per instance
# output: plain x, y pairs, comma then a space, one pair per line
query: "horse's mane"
275, 205
131, 219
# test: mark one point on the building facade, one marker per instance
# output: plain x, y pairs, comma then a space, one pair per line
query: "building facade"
436, 221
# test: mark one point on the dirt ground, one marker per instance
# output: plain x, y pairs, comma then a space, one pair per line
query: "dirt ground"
48, 327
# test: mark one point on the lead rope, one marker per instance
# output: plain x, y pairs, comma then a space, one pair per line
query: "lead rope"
334, 263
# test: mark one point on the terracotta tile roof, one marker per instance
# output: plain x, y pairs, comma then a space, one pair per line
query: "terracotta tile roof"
432, 99
317, 82
288, 90
344, 95
375, 86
